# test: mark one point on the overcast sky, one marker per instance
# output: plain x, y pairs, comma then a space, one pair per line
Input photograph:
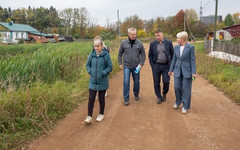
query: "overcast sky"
101, 10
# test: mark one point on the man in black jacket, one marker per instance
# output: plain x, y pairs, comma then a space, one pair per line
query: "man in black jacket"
160, 56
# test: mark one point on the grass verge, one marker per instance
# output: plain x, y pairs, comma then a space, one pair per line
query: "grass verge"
223, 74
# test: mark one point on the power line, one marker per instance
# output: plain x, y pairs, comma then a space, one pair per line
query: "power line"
206, 4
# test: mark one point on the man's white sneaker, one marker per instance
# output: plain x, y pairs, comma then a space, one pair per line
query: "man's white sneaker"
184, 111
100, 117
88, 119
175, 106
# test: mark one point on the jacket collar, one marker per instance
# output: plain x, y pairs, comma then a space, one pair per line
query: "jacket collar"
185, 49
104, 52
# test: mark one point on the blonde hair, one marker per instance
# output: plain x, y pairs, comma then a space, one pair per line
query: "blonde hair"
183, 35
98, 41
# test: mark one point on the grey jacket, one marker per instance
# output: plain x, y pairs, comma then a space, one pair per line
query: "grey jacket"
132, 56
184, 65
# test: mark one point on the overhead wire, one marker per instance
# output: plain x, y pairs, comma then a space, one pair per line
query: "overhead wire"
206, 5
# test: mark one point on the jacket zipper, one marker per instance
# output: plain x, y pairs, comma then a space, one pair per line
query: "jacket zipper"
131, 55
96, 72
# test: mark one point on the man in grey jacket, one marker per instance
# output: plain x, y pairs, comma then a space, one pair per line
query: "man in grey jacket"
133, 54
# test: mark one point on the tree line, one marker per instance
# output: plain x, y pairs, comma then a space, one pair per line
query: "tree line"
78, 23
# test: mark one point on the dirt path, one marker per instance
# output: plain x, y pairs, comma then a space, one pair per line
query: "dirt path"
212, 123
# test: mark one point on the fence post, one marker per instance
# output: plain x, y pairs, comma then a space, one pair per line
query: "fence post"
211, 44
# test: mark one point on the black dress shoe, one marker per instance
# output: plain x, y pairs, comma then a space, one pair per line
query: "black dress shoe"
126, 103
164, 97
136, 97
159, 101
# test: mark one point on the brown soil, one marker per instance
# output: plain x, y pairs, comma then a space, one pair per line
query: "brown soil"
213, 122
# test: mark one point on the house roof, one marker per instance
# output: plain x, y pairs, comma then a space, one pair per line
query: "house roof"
236, 25
233, 30
23, 27
19, 27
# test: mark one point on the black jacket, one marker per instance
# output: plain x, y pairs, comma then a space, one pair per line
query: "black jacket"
153, 53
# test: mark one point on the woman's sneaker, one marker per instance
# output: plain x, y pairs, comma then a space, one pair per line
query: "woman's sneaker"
100, 117
184, 111
88, 120
175, 106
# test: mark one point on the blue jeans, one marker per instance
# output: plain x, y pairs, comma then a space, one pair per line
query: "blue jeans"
126, 82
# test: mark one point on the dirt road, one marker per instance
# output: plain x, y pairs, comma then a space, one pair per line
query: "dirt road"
213, 121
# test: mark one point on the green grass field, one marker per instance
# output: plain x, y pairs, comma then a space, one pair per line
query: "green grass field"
40, 84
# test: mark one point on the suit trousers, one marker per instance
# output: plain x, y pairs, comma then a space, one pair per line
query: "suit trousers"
183, 87
159, 70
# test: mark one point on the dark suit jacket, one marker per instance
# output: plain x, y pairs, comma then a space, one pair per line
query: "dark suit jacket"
185, 64
153, 53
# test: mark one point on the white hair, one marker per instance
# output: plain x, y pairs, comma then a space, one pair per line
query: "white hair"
131, 29
183, 35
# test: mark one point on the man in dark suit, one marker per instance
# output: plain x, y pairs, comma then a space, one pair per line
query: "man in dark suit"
160, 55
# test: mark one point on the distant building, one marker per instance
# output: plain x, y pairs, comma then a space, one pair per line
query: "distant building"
227, 33
233, 30
210, 19
12, 33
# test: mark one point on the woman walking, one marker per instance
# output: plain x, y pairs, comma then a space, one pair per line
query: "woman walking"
99, 65
184, 67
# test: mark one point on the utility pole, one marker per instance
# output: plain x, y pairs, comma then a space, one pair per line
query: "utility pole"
119, 25
215, 24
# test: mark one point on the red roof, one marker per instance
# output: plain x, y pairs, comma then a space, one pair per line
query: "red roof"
233, 30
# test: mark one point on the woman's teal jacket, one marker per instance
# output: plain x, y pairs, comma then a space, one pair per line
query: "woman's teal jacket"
99, 68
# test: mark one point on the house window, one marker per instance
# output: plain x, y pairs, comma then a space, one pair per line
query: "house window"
16, 34
22, 33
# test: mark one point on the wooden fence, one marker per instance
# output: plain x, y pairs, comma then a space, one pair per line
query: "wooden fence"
226, 47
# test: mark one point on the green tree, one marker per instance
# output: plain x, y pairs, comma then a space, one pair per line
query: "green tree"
169, 26
149, 26
3, 14
83, 20
52, 17
132, 21
41, 21
30, 17
67, 16
229, 21
159, 24
200, 29
16, 16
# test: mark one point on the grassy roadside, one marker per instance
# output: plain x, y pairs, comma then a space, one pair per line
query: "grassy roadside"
222, 74
29, 111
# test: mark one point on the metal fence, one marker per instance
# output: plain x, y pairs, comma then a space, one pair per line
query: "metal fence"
226, 47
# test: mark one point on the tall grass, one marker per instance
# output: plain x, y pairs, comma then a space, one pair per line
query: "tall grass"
43, 85
223, 74
47, 64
